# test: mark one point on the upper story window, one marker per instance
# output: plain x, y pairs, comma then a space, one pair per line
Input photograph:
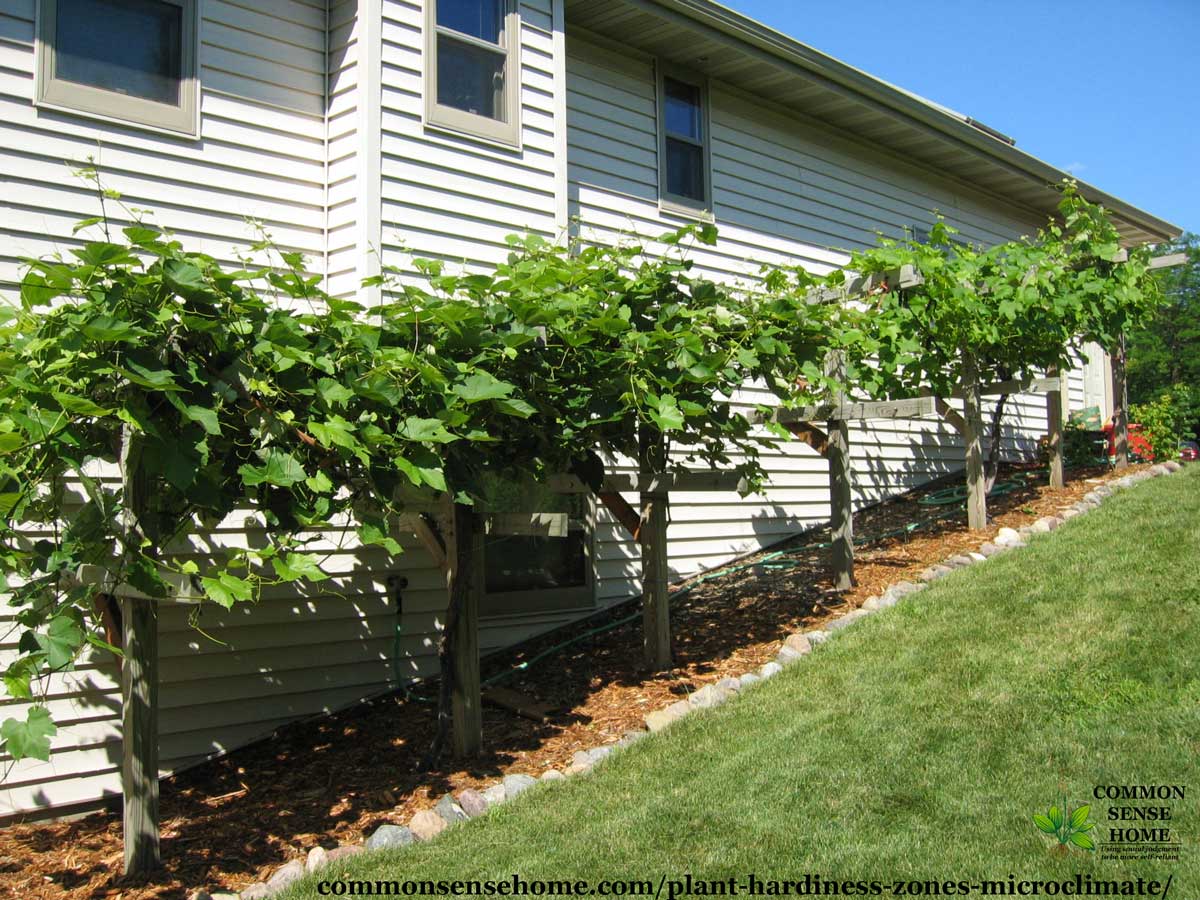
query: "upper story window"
684, 179
472, 70
126, 60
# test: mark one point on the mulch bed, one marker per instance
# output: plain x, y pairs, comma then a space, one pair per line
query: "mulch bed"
231, 822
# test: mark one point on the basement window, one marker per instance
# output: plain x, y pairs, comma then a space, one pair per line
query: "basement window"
536, 572
472, 69
683, 143
129, 61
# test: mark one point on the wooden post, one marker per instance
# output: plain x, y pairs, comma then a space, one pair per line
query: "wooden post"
1120, 405
465, 583
1055, 407
139, 676
973, 437
841, 499
139, 735
656, 601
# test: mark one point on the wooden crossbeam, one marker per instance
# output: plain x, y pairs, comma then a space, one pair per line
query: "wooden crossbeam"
1031, 385
697, 482
913, 408
1159, 262
858, 286
951, 415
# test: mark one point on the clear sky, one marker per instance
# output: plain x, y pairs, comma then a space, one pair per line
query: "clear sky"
1107, 90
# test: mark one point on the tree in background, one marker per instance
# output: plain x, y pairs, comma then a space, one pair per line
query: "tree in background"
1167, 351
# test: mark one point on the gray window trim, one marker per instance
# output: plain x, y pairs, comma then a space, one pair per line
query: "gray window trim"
674, 203
515, 603
447, 118
109, 106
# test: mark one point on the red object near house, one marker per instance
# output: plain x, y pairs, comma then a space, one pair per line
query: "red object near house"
1139, 446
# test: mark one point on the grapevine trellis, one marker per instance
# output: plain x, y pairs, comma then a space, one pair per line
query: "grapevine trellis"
209, 397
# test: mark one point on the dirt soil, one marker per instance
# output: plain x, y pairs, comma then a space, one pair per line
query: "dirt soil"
232, 821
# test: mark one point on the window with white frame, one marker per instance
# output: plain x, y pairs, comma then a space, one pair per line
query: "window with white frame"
472, 68
683, 129
126, 60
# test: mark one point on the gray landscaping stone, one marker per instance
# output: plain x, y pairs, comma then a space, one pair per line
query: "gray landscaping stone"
960, 562
514, 785
798, 643
817, 637
1160, 469
872, 603
988, 550
450, 811
256, 891
786, 656
1007, 537
977, 557
390, 836
494, 795
1025, 530
285, 875
317, 857
770, 670
472, 803
554, 775
1103, 491
576, 769
632, 737
887, 601
729, 684
200, 894
708, 696
598, 753
661, 718
1127, 482
345, 851
748, 679
1042, 526
848, 619
582, 758
426, 825
1172, 465
1070, 513
904, 588
223, 895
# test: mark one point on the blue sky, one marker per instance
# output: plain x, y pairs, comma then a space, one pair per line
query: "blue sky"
1107, 90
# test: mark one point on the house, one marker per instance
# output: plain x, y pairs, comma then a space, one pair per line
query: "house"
372, 132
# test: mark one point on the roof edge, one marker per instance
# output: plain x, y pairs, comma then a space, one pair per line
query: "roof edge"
776, 43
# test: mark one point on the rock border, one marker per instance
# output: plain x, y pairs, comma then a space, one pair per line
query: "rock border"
451, 809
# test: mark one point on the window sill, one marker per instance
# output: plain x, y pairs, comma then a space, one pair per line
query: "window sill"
684, 211
458, 129
192, 134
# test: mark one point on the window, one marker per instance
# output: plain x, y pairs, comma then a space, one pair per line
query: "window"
129, 60
684, 181
525, 573
472, 72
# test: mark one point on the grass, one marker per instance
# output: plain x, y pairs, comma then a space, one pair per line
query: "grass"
916, 745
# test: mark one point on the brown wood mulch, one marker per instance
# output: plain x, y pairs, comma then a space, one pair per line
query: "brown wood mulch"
232, 821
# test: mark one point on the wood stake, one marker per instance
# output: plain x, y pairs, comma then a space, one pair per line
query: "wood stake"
1120, 405
1054, 421
656, 601
973, 437
466, 584
841, 498
139, 735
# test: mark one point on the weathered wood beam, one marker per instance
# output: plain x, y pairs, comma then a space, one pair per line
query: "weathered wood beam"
1159, 262
466, 698
1055, 407
950, 415
973, 438
626, 515
811, 435
858, 286
697, 482
912, 408
841, 474
656, 599
430, 540
139, 735
1031, 385
1120, 405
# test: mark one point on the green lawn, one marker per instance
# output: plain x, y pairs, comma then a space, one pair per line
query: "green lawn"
916, 745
